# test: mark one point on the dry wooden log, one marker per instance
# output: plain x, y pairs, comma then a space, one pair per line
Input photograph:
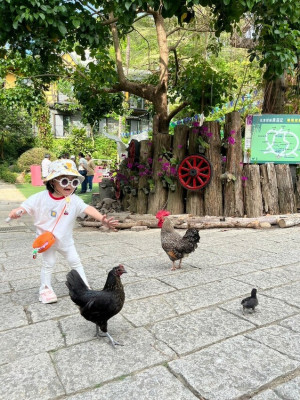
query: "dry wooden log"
269, 188
175, 202
252, 191
158, 199
194, 200
145, 154
287, 222
233, 189
286, 196
213, 201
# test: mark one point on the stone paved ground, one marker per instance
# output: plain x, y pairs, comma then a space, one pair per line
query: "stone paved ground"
184, 333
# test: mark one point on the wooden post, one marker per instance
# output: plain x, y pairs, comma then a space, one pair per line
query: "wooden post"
269, 188
297, 191
252, 190
233, 189
194, 199
213, 198
286, 196
145, 154
158, 199
175, 198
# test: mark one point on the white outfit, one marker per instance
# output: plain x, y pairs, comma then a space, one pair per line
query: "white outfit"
45, 210
81, 164
45, 167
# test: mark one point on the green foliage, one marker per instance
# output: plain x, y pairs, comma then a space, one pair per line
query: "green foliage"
6, 175
33, 157
78, 141
204, 86
15, 132
104, 149
42, 120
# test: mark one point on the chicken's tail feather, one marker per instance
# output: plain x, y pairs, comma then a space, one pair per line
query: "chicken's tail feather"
75, 283
192, 234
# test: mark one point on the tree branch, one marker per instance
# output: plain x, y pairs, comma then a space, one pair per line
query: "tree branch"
176, 110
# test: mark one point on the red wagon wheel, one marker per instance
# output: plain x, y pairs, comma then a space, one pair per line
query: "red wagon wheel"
194, 172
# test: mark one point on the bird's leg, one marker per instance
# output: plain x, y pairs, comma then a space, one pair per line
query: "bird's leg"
179, 265
113, 342
173, 267
106, 334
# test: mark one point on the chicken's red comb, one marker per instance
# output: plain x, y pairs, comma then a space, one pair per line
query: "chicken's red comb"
162, 213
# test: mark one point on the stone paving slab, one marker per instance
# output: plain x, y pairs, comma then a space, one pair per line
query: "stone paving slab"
199, 329
101, 362
279, 338
33, 339
12, 317
147, 288
202, 296
263, 279
235, 367
40, 312
30, 378
289, 293
267, 395
76, 329
268, 310
144, 312
289, 390
152, 384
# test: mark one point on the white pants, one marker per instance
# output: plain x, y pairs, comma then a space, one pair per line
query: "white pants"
49, 259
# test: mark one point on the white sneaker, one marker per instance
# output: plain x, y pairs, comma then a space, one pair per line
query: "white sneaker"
88, 190
47, 296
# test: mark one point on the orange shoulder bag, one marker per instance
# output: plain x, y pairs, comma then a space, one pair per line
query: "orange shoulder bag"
44, 241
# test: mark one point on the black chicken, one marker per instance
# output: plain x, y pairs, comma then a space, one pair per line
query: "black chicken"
250, 302
176, 246
98, 306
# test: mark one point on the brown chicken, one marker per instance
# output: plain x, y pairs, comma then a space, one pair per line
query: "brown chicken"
176, 246
98, 306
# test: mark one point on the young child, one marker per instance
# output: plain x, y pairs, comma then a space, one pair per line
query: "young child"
59, 204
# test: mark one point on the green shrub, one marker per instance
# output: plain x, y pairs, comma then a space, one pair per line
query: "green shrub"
33, 157
7, 176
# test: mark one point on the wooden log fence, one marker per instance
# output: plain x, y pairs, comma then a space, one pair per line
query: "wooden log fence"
235, 190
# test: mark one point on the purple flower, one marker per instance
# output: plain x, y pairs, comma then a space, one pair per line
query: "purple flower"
129, 165
159, 174
180, 146
241, 163
165, 166
231, 140
150, 160
204, 128
173, 170
209, 134
244, 178
224, 159
160, 159
232, 132
195, 123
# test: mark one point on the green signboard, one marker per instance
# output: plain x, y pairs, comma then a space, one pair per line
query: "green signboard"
272, 138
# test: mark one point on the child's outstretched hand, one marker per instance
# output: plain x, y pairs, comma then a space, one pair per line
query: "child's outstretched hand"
111, 223
15, 213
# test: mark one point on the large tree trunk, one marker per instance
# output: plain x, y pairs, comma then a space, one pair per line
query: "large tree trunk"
175, 197
274, 96
158, 199
213, 199
233, 190
194, 199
